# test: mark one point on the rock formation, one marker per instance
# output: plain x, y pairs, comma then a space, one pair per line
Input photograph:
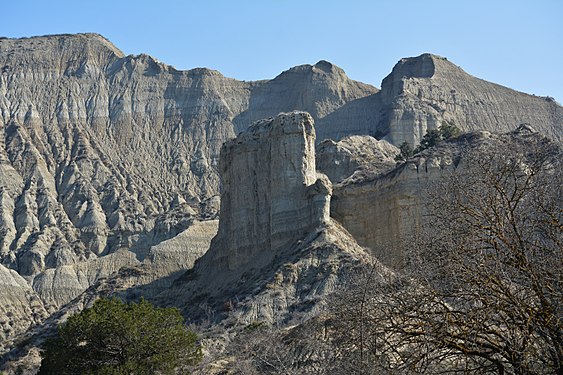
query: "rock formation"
110, 161
384, 211
355, 154
20, 309
271, 194
276, 243
98, 148
422, 92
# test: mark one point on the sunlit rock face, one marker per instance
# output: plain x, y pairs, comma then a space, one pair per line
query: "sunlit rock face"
277, 245
384, 211
355, 156
100, 151
422, 92
271, 194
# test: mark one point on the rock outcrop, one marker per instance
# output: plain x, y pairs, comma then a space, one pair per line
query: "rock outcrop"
98, 149
110, 161
271, 194
319, 89
383, 212
276, 245
20, 309
422, 92
356, 154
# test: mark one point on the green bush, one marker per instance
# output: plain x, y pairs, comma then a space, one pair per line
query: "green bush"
434, 136
406, 151
113, 337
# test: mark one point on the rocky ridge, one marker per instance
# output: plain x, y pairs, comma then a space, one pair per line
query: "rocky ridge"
103, 151
422, 92
355, 155
105, 158
277, 254
382, 210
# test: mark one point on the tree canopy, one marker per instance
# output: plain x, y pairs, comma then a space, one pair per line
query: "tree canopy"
113, 337
431, 138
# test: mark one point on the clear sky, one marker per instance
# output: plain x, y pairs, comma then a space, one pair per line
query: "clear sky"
515, 43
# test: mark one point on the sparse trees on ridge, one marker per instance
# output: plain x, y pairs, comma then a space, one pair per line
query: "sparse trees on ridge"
431, 138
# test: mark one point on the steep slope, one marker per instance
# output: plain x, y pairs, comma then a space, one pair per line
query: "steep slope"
105, 158
422, 92
21, 307
277, 254
384, 211
97, 147
319, 89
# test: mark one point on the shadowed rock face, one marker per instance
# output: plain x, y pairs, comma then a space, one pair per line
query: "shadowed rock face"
20, 306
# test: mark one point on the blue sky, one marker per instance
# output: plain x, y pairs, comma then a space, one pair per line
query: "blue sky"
515, 43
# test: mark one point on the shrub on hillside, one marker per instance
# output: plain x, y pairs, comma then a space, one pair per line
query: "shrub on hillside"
113, 337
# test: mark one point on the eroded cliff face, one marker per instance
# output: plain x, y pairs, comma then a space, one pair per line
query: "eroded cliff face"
385, 211
21, 307
354, 157
110, 161
319, 89
276, 245
422, 92
272, 194
102, 151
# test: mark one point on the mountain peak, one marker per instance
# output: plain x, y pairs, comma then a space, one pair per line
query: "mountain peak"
327, 67
422, 66
321, 67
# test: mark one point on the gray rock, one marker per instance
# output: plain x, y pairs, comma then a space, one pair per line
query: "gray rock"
422, 92
356, 154
277, 255
271, 194
20, 307
384, 211
97, 147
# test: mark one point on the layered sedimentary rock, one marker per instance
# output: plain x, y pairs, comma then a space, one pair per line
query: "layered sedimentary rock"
277, 254
21, 307
99, 149
272, 194
422, 92
319, 89
57, 286
28, 317
384, 211
107, 160
356, 154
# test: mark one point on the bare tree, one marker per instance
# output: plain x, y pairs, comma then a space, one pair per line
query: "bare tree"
262, 349
482, 289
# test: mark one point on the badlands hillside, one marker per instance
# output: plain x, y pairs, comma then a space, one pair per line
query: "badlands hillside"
118, 174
